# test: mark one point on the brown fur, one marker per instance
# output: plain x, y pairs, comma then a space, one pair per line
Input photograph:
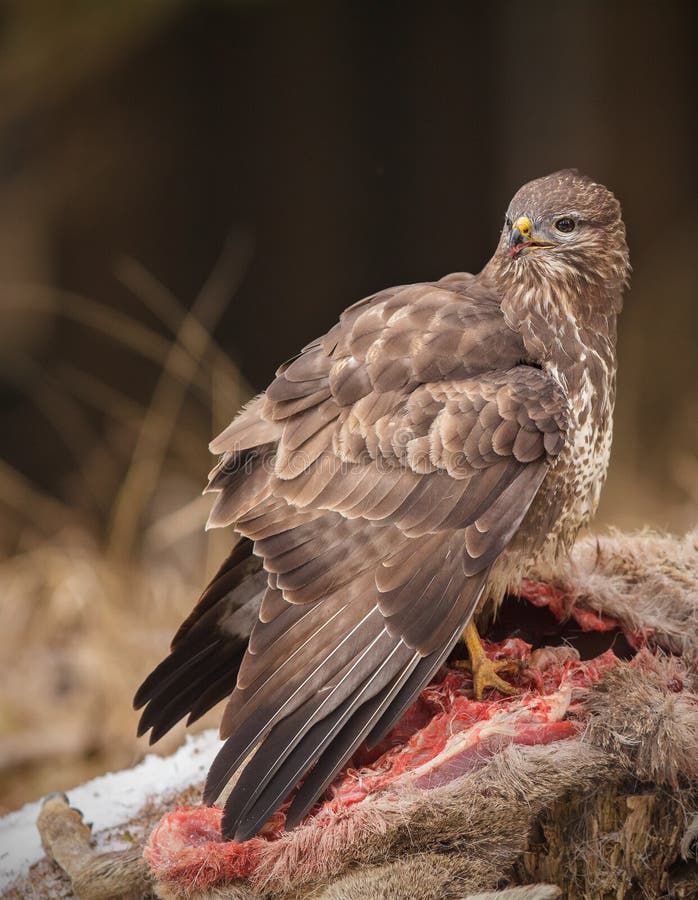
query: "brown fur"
475, 834
119, 875
645, 580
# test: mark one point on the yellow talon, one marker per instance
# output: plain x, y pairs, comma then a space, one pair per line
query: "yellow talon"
485, 670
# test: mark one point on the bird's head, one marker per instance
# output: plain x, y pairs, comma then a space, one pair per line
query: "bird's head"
564, 227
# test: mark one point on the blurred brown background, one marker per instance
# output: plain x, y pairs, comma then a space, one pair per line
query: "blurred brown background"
190, 191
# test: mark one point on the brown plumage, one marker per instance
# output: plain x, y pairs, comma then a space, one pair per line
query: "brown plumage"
398, 474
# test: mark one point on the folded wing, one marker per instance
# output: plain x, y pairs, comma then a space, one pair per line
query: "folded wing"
376, 481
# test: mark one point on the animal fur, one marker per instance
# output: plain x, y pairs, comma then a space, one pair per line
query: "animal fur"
637, 757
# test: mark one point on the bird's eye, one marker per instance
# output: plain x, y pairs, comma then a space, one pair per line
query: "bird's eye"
508, 222
565, 225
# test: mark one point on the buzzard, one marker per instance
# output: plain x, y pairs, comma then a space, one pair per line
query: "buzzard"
394, 479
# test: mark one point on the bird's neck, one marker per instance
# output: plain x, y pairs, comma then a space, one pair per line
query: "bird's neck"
557, 332
567, 328
579, 352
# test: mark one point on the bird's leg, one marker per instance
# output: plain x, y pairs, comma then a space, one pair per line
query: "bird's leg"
485, 670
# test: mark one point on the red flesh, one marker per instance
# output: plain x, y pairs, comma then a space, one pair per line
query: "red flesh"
445, 734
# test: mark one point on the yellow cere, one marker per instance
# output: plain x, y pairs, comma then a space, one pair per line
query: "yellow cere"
524, 225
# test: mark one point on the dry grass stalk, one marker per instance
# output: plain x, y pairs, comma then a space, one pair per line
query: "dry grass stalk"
86, 617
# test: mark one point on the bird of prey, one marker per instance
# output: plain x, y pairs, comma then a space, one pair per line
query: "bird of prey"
394, 479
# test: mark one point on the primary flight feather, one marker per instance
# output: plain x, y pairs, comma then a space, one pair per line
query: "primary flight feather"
401, 472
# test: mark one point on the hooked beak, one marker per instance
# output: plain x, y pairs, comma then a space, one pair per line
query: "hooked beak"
522, 238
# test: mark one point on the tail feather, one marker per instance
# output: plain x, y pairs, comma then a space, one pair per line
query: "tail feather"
208, 648
386, 708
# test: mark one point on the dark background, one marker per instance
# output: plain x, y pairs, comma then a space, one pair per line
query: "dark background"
291, 158
347, 147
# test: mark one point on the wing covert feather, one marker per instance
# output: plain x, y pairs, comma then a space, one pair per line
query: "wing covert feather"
380, 476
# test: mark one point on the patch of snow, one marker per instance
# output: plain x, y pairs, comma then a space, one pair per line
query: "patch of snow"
108, 801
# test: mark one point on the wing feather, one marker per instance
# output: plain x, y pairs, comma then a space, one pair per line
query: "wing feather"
266, 783
380, 476
208, 647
